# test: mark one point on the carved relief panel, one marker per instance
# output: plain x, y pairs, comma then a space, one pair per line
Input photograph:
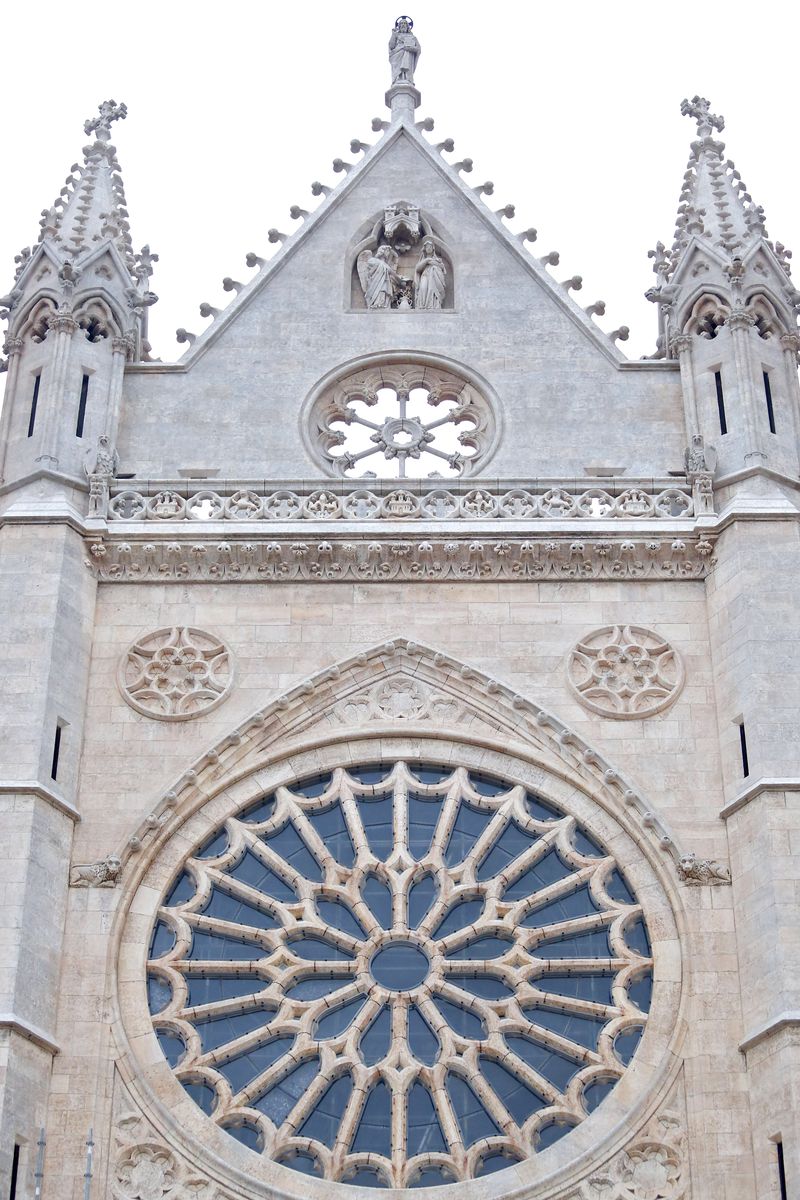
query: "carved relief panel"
401, 264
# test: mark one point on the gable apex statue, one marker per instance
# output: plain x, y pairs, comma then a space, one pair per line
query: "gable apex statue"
404, 50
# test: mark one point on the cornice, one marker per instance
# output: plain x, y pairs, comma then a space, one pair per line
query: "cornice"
32, 787
755, 789
784, 1020
29, 1031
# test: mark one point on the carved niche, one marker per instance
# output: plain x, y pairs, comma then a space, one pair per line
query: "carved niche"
401, 263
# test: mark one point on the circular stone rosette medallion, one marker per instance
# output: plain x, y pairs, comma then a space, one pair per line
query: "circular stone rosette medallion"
175, 674
625, 671
401, 974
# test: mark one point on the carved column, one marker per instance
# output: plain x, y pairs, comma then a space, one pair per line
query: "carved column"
681, 348
13, 348
62, 325
740, 322
790, 344
122, 352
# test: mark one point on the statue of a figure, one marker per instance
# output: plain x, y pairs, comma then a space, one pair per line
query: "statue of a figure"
404, 50
698, 871
429, 277
377, 270
698, 458
103, 460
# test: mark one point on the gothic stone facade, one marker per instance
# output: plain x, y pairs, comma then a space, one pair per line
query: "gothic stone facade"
575, 590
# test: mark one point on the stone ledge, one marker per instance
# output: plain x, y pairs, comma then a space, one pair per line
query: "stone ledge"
31, 787
755, 789
29, 1031
784, 1020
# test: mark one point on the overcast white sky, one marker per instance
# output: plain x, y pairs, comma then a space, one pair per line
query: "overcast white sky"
571, 109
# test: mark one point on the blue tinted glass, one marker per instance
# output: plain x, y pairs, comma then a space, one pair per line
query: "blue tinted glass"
209, 989
626, 1043
548, 869
378, 899
159, 994
374, 1131
291, 847
636, 937
548, 1134
594, 944
481, 949
494, 1163
516, 1096
251, 870
332, 828
375, 1041
281, 1098
469, 825
313, 787
583, 1030
424, 1133
221, 1030
334, 1023
399, 966
585, 844
227, 908
423, 813
316, 986
473, 1119
262, 810
324, 1122
485, 785
583, 987
334, 913
481, 985
459, 917
423, 1041
316, 950
171, 1047
182, 890
540, 809
202, 1094
216, 947
420, 898
596, 1093
513, 841
432, 1177
246, 1134
641, 992
163, 940
618, 889
366, 1177
553, 1067
370, 774
461, 1019
214, 846
304, 1163
376, 817
428, 774
244, 1068
576, 904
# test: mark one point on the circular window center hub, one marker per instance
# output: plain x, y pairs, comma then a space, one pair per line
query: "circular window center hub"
404, 433
399, 967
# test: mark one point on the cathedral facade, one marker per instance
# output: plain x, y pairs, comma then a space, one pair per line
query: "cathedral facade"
399, 705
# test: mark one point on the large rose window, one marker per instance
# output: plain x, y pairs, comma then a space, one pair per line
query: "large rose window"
399, 975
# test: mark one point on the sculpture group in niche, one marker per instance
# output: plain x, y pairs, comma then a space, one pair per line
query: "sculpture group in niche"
400, 265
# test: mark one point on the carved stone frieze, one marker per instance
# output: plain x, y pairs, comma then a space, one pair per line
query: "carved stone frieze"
400, 698
392, 559
625, 671
175, 674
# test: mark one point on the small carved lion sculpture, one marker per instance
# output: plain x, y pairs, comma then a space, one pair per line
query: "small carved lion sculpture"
97, 874
697, 871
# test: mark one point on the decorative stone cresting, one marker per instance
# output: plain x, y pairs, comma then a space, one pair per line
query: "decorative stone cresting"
625, 671
175, 674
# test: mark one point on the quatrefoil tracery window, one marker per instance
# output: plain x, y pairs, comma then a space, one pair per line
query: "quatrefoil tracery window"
403, 421
399, 975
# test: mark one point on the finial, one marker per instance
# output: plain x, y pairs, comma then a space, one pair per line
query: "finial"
109, 111
700, 109
404, 51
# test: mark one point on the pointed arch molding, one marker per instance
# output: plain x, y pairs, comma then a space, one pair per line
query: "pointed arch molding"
402, 688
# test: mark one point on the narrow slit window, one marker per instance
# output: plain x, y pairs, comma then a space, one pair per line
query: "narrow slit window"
723, 424
14, 1172
743, 748
56, 751
781, 1172
34, 401
82, 406
770, 408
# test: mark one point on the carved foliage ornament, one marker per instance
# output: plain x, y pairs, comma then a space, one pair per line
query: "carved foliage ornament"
175, 674
625, 671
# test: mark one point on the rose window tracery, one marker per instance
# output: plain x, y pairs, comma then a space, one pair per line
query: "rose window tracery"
403, 421
399, 975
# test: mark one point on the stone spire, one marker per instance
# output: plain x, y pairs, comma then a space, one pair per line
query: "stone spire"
402, 97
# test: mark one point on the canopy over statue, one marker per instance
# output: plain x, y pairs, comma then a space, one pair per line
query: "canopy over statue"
404, 50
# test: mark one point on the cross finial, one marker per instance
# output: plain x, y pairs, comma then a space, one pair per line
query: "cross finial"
109, 111
700, 108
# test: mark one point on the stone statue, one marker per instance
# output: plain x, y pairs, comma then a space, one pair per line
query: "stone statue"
97, 874
404, 50
377, 270
697, 871
698, 458
103, 460
429, 277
